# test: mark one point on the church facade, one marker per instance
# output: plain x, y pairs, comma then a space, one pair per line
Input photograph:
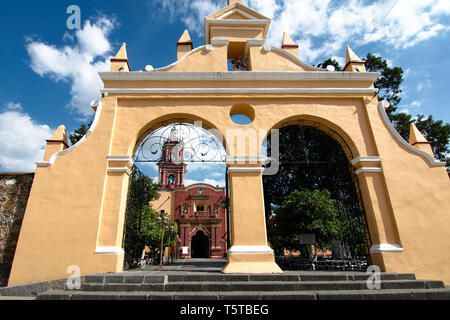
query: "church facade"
197, 209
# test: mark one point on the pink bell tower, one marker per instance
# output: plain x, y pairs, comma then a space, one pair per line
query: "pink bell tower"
172, 169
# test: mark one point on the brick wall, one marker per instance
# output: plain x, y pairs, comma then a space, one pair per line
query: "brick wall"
14, 192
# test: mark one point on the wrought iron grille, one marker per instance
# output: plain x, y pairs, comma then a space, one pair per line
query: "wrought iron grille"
194, 144
313, 156
138, 197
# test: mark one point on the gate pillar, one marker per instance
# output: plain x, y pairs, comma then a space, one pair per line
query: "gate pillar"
380, 217
112, 220
249, 252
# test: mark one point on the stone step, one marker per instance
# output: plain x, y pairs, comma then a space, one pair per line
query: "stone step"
6, 298
408, 294
263, 286
169, 278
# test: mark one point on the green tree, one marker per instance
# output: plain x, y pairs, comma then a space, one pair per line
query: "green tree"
436, 131
305, 212
149, 233
329, 62
79, 133
141, 228
389, 83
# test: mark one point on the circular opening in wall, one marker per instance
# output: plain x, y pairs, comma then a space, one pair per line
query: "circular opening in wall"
242, 114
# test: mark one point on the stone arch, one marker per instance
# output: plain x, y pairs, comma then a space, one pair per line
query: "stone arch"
381, 223
200, 228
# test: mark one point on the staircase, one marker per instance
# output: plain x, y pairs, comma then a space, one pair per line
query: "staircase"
289, 286
202, 280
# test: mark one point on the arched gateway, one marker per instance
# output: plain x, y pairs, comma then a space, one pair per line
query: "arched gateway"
76, 210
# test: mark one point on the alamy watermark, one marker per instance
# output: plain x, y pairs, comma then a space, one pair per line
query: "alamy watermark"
74, 20
374, 280
74, 281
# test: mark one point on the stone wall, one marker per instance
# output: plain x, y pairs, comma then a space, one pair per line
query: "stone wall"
14, 192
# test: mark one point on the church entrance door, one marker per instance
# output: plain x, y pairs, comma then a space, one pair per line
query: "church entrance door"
200, 246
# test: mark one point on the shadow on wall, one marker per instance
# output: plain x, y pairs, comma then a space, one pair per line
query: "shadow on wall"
14, 192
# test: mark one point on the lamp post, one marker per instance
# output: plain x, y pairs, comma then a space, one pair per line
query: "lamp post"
177, 254
171, 231
162, 220
226, 206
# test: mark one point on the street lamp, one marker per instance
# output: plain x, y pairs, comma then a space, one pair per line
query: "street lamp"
226, 206
171, 232
163, 221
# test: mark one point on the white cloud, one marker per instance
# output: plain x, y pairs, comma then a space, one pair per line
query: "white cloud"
322, 28
416, 103
11, 106
404, 111
424, 84
23, 140
191, 13
77, 64
412, 107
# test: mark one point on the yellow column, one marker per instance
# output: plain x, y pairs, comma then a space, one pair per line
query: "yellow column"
112, 220
380, 217
249, 252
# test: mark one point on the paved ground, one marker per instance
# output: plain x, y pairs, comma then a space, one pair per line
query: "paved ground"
186, 266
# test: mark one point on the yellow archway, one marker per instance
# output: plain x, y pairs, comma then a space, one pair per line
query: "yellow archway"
77, 203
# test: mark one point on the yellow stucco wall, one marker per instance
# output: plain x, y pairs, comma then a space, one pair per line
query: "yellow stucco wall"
166, 202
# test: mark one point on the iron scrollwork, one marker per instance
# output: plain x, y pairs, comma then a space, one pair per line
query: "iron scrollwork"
192, 144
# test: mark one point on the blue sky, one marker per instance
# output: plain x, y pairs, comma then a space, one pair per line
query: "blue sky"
49, 72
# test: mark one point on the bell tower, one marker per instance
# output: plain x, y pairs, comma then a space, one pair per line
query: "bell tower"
172, 170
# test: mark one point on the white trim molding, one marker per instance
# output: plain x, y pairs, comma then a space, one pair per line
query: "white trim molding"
232, 23
250, 250
239, 76
128, 159
170, 66
245, 169
109, 250
123, 170
386, 247
220, 42
296, 60
244, 159
433, 162
82, 140
368, 169
245, 14
240, 91
366, 159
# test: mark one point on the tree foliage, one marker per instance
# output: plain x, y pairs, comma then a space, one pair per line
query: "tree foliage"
305, 212
436, 131
389, 83
329, 62
141, 228
79, 133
